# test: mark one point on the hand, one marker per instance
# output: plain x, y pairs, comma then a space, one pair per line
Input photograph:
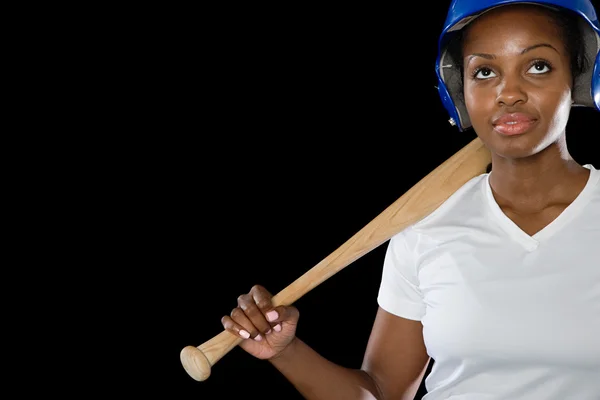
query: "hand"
266, 330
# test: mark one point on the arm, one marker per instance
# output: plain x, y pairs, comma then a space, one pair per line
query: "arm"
381, 376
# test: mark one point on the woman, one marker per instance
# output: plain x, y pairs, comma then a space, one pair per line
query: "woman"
501, 284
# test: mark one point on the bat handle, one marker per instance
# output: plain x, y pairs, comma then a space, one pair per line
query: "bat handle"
197, 361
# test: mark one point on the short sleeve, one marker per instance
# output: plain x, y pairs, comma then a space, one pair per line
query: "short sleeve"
399, 291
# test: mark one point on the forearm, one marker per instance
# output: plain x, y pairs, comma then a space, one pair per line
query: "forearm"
315, 377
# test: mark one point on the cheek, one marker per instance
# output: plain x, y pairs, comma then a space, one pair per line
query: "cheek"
554, 105
558, 107
478, 101
555, 100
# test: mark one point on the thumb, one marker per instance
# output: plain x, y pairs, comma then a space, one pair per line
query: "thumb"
281, 314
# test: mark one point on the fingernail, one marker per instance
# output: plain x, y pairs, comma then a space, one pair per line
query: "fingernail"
244, 334
277, 328
272, 315
258, 338
267, 332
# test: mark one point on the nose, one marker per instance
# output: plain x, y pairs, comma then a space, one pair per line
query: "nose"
511, 91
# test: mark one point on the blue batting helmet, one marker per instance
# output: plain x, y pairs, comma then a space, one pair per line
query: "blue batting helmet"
586, 91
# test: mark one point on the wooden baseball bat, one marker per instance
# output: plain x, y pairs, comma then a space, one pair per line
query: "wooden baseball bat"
419, 201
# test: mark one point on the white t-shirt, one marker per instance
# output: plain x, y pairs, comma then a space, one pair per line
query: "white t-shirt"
505, 315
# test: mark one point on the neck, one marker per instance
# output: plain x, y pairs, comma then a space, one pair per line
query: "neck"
532, 183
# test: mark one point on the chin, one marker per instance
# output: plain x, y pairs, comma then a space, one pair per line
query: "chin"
517, 146
516, 152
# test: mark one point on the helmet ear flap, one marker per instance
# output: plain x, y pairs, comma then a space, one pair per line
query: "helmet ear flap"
596, 82
448, 103
586, 90
450, 85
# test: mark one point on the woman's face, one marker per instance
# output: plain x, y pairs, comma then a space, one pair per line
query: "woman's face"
517, 80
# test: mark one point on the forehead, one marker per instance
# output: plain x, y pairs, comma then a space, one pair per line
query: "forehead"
511, 21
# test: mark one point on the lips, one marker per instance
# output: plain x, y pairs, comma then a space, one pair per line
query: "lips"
514, 123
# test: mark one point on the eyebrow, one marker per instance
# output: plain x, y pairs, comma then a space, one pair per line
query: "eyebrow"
492, 57
535, 46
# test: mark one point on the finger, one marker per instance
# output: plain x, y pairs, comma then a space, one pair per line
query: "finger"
273, 315
282, 314
240, 325
255, 316
262, 298
231, 326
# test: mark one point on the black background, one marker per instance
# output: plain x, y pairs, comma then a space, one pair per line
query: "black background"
282, 132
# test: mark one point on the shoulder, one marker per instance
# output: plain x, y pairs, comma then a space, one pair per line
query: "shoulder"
463, 205
594, 175
594, 186
464, 202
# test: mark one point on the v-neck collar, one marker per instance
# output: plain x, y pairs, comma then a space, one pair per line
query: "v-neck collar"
531, 242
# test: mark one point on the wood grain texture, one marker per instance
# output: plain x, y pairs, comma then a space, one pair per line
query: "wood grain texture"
418, 202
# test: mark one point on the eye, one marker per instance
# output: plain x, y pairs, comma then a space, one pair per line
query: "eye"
483, 73
540, 67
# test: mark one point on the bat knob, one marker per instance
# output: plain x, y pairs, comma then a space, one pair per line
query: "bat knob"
195, 363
